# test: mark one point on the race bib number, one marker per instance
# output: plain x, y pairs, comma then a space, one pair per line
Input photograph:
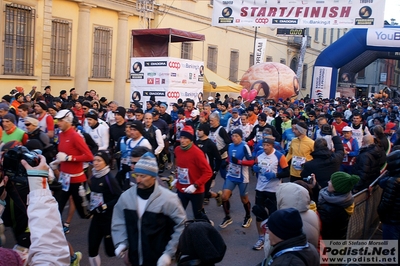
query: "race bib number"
183, 176
265, 167
297, 162
234, 170
65, 180
96, 200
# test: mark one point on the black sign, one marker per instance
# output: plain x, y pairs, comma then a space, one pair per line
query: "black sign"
290, 32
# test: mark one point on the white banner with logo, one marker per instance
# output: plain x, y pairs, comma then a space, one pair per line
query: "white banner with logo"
299, 13
321, 82
385, 37
259, 49
166, 78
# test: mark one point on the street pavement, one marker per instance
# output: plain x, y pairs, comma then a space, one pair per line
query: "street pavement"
239, 240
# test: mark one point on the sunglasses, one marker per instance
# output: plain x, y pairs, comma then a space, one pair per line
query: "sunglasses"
310, 116
28, 124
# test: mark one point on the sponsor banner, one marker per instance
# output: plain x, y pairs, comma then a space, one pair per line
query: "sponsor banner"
166, 78
299, 13
385, 37
259, 49
359, 252
321, 82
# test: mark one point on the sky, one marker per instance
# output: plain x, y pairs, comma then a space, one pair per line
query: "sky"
392, 10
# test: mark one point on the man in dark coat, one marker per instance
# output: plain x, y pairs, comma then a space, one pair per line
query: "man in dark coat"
389, 207
285, 232
368, 163
324, 163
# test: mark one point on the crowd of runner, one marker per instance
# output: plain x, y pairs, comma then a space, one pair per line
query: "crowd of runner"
308, 158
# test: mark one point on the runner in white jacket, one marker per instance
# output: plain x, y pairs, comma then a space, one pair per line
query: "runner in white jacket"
99, 130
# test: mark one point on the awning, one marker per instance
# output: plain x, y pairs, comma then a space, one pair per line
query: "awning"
154, 42
222, 84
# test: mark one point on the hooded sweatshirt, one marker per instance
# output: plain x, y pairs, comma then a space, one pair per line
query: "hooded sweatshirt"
291, 195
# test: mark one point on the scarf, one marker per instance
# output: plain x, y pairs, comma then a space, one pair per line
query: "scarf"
343, 200
101, 173
187, 147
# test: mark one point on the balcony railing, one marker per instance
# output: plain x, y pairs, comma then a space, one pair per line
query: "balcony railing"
296, 41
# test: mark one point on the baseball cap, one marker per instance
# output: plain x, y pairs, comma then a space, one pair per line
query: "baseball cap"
121, 111
194, 113
235, 110
347, 129
155, 112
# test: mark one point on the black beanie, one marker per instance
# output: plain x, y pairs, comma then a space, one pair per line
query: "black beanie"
104, 155
199, 240
285, 223
92, 114
238, 131
205, 128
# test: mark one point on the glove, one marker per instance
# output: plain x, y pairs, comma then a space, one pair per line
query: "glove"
164, 260
270, 175
190, 189
63, 157
256, 168
100, 209
119, 249
173, 183
235, 160
54, 165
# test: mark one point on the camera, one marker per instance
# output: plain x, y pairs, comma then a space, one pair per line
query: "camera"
12, 166
308, 179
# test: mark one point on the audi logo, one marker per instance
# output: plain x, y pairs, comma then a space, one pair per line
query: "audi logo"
176, 65
262, 20
173, 94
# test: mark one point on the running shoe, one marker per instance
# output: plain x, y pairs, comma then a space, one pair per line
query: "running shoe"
227, 221
218, 198
78, 257
247, 221
66, 228
259, 244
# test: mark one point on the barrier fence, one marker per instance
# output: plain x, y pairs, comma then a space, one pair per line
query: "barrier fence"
365, 220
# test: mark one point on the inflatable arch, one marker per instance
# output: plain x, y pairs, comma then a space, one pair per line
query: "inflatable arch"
352, 52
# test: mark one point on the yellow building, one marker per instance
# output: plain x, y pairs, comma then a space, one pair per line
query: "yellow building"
87, 44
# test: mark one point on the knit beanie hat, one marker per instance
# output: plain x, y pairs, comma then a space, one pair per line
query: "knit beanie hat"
42, 105
92, 114
10, 117
343, 182
188, 132
262, 117
104, 155
9, 257
138, 125
86, 104
200, 240
147, 165
205, 128
238, 131
285, 223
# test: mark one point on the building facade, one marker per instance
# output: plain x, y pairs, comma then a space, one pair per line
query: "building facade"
87, 44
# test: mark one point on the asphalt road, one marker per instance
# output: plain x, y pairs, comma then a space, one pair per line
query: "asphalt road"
239, 240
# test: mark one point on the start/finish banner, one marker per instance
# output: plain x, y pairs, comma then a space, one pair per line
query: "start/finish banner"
299, 13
